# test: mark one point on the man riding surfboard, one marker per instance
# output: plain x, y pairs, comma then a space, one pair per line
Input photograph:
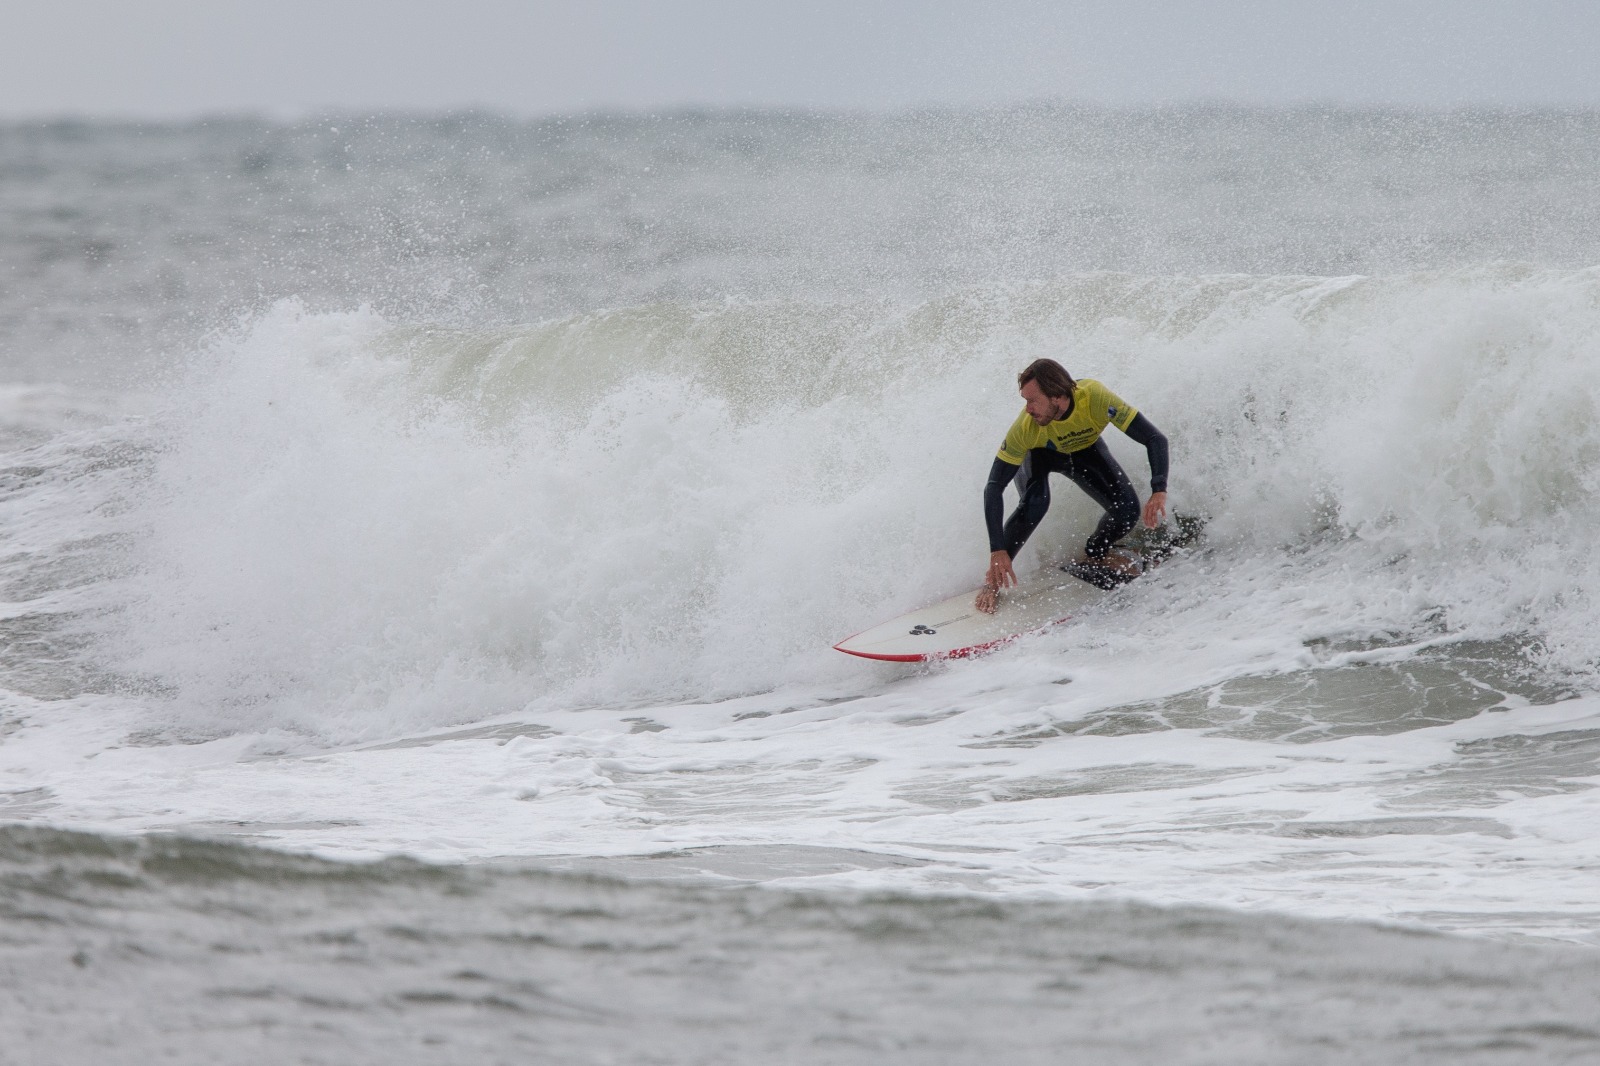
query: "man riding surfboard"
1059, 432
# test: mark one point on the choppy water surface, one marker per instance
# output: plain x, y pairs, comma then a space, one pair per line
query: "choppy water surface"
253, 956
491, 493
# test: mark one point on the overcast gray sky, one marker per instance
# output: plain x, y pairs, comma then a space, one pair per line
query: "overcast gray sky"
164, 58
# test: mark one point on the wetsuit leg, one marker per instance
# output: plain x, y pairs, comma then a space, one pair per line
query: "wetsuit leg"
1095, 472
1033, 488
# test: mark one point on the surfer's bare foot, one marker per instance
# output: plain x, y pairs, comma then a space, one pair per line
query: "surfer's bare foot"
988, 599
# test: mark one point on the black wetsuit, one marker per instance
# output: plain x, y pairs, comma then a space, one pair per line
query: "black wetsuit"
1093, 470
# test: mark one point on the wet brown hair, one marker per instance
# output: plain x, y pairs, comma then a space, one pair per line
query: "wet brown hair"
1051, 377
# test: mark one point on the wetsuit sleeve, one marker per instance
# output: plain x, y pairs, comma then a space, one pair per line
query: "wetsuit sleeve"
1144, 431
1000, 475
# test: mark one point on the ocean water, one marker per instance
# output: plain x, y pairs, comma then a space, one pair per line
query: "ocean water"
424, 539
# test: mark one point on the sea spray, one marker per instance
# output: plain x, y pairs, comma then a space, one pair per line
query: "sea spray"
356, 526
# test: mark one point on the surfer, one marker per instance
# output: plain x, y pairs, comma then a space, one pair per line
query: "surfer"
1059, 432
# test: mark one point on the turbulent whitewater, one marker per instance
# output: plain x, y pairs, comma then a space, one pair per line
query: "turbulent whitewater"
491, 494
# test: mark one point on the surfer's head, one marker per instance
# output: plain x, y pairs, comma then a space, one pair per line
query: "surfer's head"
1046, 390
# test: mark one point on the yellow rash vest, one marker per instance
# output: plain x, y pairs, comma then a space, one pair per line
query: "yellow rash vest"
1094, 407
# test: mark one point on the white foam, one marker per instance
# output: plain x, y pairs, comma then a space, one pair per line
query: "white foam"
1169, 817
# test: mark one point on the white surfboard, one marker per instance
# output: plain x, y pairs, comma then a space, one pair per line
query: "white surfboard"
955, 629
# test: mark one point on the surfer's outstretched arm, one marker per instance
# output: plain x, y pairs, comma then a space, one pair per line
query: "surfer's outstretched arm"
999, 575
1144, 431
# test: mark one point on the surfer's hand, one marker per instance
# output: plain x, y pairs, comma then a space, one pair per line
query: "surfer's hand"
1000, 574
1155, 509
